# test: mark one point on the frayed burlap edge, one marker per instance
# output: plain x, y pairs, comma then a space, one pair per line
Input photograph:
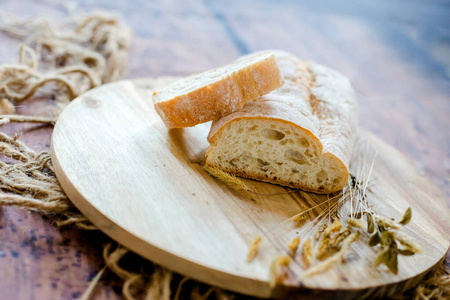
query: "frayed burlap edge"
92, 52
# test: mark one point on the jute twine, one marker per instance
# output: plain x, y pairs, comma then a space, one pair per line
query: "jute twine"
74, 57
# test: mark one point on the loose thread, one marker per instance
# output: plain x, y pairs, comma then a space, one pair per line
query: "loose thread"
88, 293
5, 119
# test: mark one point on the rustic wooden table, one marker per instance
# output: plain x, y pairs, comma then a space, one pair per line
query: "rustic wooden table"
396, 53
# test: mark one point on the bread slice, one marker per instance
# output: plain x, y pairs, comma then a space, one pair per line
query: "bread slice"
216, 93
300, 135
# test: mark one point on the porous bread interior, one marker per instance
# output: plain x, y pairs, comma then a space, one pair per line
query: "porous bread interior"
194, 82
276, 151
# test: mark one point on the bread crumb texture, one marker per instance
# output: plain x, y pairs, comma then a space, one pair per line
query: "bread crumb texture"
300, 135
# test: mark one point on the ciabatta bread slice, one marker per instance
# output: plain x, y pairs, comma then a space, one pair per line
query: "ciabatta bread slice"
216, 93
300, 135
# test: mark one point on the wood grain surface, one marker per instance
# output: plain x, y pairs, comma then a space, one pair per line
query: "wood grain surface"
395, 52
145, 186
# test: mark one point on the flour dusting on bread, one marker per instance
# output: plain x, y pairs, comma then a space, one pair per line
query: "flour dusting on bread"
300, 135
216, 93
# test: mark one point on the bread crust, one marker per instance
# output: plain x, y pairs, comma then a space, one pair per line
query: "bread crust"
315, 99
221, 97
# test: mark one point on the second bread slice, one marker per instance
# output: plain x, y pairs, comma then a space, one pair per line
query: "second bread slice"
216, 93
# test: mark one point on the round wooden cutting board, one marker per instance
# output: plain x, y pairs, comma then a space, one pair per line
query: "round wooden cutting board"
145, 187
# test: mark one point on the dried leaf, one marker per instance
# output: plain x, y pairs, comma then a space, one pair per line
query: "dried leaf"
406, 217
392, 261
407, 243
382, 258
374, 240
370, 225
406, 252
389, 258
387, 238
